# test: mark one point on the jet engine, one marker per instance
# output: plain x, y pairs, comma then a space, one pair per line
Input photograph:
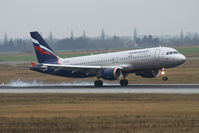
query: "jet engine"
149, 73
111, 73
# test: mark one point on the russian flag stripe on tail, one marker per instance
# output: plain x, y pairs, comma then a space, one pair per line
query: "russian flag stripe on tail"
43, 52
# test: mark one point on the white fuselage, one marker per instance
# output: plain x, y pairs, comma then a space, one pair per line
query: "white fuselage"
141, 59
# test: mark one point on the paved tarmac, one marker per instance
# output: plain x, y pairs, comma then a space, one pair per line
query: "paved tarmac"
138, 88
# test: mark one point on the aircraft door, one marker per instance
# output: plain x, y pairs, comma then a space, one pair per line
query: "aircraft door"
157, 54
157, 58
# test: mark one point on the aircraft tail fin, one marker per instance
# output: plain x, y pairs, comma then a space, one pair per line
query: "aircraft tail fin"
43, 51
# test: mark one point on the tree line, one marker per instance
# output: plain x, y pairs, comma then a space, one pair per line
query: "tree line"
102, 42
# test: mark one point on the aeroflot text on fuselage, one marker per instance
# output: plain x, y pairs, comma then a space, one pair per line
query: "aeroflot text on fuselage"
139, 51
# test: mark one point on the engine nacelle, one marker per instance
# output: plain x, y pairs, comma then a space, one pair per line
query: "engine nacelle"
111, 73
149, 73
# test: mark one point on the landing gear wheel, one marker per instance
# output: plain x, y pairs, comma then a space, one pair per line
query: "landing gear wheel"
124, 82
165, 78
98, 83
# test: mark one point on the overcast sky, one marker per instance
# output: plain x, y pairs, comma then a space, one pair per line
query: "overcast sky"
116, 17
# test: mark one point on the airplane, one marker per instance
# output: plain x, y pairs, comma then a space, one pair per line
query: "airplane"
147, 63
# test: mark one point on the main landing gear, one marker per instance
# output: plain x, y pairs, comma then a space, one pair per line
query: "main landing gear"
124, 82
164, 78
98, 83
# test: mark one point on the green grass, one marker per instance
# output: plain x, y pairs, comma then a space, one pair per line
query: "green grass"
18, 58
3, 53
188, 50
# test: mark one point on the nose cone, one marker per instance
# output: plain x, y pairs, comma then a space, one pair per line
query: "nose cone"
181, 59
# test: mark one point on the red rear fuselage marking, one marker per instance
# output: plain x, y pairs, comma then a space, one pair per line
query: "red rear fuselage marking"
45, 52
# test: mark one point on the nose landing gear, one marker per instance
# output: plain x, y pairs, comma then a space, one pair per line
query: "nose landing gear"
164, 78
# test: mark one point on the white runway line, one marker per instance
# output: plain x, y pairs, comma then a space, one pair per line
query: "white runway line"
136, 91
153, 89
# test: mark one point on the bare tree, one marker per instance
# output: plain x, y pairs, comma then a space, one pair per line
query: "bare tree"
102, 34
71, 35
5, 38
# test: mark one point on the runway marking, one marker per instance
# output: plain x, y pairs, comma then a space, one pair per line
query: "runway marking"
146, 88
107, 86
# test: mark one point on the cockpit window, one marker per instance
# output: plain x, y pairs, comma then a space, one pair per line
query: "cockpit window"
172, 52
175, 52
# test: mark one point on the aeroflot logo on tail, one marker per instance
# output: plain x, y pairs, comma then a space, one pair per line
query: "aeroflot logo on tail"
41, 49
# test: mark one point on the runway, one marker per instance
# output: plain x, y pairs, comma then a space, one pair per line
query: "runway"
138, 88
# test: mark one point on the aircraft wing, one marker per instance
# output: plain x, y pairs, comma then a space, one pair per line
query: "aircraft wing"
72, 69
75, 66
